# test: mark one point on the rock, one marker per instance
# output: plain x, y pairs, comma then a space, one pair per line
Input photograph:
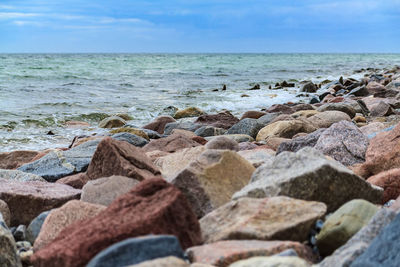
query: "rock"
76, 181
34, 227
112, 122
131, 251
222, 142
285, 129
60, 218
276, 218
186, 125
247, 146
358, 119
131, 139
26, 200
372, 128
327, 118
158, 124
185, 133
275, 261
274, 142
5, 212
304, 113
375, 89
104, 191
252, 114
309, 87
359, 91
343, 224
294, 145
381, 109
188, 112
246, 126
394, 85
170, 144
267, 118
383, 251
257, 156
15, 175
224, 253
210, 181
170, 110
124, 116
58, 164
130, 130
349, 110
224, 120
205, 131
238, 138
8, 249
163, 209
170, 261
344, 142
389, 181
308, 175
14, 159
114, 157
280, 108
152, 134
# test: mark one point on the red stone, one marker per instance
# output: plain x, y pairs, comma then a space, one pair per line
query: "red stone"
223, 120
280, 108
76, 181
171, 143
389, 181
252, 114
15, 159
158, 124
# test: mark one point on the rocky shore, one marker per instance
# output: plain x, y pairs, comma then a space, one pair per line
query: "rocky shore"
295, 184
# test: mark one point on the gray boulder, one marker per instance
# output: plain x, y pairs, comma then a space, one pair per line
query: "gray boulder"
16, 175
208, 130
294, 145
309, 87
34, 227
348, 109
185, 125
131, 139
8, 249
247, 126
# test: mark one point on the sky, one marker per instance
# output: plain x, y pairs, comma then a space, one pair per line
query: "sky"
193, 26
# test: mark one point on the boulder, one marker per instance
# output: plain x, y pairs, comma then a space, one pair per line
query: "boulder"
158, 124
375, 89
163, 209
247, 146
222, 142
76, 180
308, 175
252, 114
381, 109
275, 218
8, 249
34, 227
14, 159
267, 118
224, 253
309, 87
239, 138
394, 85
294, 145
224, 120
112, 122
285, 129
130, 130
15, 175
170, 144
137, 250
131, 139
280, 108
104, 191
5, 212
348, 109
114, 157
26, 200
257, 157
371, 129
170, 261
246, 126
188, 112
389, 181
327, 118
304, 113
205, 131
275, 261
182, 125
210, 181
343, 224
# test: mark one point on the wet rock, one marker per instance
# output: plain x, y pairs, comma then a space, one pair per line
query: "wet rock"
276, 218
224, 120
257, 156
348, 109
15, 175
309, 87
186, 125
252, 114
170, 110
246, 126
8, 249
112, 122
188, 112
20, 233
131, 139
359, 91
285, 129
223, 142
76, 181
14, 159
5, 212
170, 144
294, 145
389, 181
152, 134
381, 109
34, 227
327, 118
158, 124
275, 261
205, 131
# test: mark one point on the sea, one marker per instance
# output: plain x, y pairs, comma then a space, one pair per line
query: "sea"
40, 92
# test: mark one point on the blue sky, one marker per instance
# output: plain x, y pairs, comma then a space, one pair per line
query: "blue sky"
199, 26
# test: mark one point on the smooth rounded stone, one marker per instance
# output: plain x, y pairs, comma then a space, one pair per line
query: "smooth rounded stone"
348, 109
309, 87
304, 113
389, 181
171, 143
158, 124
275, 261
294, 145
58, 164
5, 212
170, 261
205, 131
152, 134
309, 175
14, 159
183, 125
275, 218
375, 88
246, 126
26, 200
163, 209
124, 116
239, 138
8, 249
247, 146
224, 253
104, 191
188, 112
20, 233
113, 157
327, 118
15, 175
137, 250
274, 142
212, 178
224, 120
268, 118
34, 227
381, 109
222, 142
76, 180
112, 122
359, 91
253, 114
131, 139
171, 164
60, 218
257, 157
280, 108
372, 129
285, 129
135, 131
302, 106
344, 142
343, 224
384, 249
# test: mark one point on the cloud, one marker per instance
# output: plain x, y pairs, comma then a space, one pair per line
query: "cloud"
17, 15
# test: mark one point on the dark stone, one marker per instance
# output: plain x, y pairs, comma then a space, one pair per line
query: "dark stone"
158, 124
309, 87
34, 227
315, 100
188, 126
223, 120
285, 109
131, 139
298, 143
247, 126
20, 233
359, 91
151, 134
267, 118
209, 131
255, 87
321, 97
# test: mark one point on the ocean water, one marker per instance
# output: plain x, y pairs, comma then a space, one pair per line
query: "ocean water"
39, 92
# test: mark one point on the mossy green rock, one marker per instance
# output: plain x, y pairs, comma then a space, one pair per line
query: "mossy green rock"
112, 122
188, 112
343, 224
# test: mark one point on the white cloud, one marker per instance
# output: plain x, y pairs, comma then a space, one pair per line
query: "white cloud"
17, 15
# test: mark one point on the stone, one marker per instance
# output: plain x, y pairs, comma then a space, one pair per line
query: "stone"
127, 129
76, 124
280, 108
131, 139
252, 114
183, 125
285, 129
114, 157
8, 249
163, 209
375, 89
304, 113
308, 175
276, 261
224, 120
34, 227
60, 218
383, 250
294, 145
247, 126
104, 191
344, 142
343, 224
170, 110
389, 181
188, 112
224, 253
372, 128
20, 233
268, 118
5, 212
359, 91
152, 134
170, 144
210, 181
58, 164
14, 159
247, 146
381, 109
131, 251
26, 200
394, 85
257, 156
348, 109
358, 119
158, 124
327, 118
76, 180
222, 142
309, 87
275, 218
186, 133
274, 142
205, 131
112, 122
238, 138
170, 261
15, 175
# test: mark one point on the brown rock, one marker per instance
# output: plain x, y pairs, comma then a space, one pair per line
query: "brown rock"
188, 112
155, 154
252, 114
222, 142
162, 208
327, 118
15, 159
389, 181
112, 122
113, 157
170, 144
200, 140
224, 253
274, 142
285, 129
5, 212
76, 181
373, 127
62, 217
224, 120
158, 124
27, 200
285, 109
375, 88
186, 133
381, 109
